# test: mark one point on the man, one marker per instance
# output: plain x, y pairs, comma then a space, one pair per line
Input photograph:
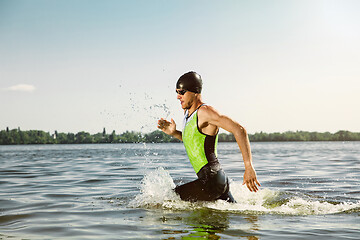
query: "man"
200, 134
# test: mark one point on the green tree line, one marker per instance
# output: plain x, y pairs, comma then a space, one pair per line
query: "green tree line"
17, 136
298, 136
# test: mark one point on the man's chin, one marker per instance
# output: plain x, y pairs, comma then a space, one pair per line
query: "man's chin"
184, 107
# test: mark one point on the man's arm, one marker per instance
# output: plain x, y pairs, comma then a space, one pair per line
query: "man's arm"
169, 128
211, 116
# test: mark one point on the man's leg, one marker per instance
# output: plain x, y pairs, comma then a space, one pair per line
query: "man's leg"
193, 191
227, 196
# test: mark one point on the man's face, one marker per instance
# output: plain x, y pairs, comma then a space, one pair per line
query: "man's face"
186, 100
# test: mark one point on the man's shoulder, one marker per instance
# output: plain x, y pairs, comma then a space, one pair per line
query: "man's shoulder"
207, 110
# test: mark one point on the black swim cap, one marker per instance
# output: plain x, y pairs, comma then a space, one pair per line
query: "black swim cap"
190, 81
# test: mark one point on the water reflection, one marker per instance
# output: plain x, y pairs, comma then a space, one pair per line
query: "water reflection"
213, 225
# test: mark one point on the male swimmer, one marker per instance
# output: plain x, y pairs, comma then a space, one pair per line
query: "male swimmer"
200, 135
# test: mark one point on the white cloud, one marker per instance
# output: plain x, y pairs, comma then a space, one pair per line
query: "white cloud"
21, 88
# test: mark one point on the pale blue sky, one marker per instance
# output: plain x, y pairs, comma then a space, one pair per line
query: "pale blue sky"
271, 65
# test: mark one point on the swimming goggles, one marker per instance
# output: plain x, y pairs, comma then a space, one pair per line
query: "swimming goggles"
181, 92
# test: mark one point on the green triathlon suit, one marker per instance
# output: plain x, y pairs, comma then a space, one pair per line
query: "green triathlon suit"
212, 183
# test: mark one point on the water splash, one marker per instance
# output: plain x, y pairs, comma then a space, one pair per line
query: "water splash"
147, 111
268, 201
135, 111
156, 191
156, 188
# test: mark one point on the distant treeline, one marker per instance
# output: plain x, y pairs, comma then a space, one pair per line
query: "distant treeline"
17, 136
298, 136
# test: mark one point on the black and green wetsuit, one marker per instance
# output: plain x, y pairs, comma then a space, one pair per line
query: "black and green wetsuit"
212, 183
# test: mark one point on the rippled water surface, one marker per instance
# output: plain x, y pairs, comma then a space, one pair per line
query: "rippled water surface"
309, 190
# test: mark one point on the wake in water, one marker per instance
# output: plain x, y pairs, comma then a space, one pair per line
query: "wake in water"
156, 191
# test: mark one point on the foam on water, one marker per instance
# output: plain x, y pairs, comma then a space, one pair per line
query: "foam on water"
156, 191
156, 188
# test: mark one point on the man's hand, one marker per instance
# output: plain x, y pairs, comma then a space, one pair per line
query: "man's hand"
167, 127
250, 179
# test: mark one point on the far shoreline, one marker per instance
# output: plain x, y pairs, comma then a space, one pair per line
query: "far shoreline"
35, 137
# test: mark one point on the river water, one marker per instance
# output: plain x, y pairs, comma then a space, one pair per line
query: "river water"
310, 190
